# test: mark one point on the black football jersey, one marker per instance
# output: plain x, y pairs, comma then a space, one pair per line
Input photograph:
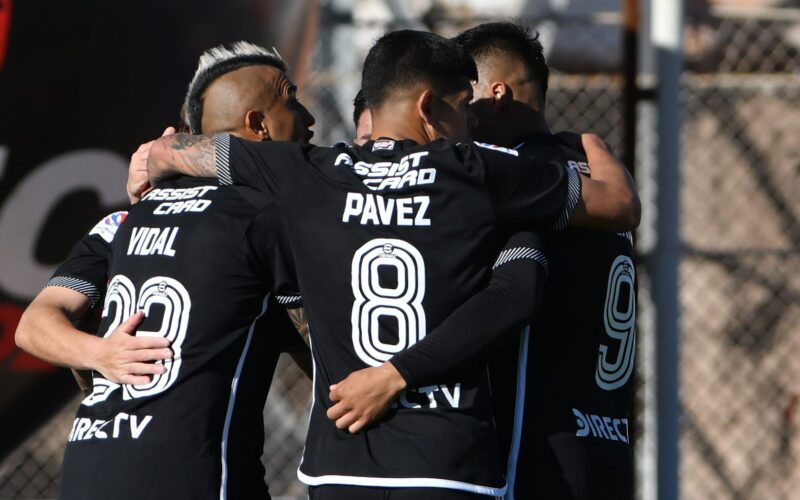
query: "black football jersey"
186, 255
563, 407
387, 240
86, 268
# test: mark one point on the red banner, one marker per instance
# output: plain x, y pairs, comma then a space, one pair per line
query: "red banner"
5, 28
83, 84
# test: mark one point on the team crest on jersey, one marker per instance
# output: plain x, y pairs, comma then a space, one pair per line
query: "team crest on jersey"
107, 227
495, 147
383, 145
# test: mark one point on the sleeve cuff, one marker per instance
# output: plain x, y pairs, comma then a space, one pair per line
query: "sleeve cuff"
222, 158
573, 198
78, 285
517, 253
290, 300
403, 371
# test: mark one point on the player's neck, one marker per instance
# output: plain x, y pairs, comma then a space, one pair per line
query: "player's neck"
531, 123
399, 133
534, 124
398, 123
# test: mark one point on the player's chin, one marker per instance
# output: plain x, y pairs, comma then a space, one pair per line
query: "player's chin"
307, 135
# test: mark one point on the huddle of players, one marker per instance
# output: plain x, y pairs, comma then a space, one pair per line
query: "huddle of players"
383, 241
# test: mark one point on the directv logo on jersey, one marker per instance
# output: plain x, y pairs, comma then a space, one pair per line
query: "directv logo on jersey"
601, 427
84, 429
431, 396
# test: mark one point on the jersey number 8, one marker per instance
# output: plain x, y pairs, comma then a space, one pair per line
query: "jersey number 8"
401, 300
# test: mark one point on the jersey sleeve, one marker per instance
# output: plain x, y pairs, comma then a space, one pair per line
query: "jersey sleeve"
508, 303
246, 163
289, 299
527, 192
277, 325
86, 267
271, 258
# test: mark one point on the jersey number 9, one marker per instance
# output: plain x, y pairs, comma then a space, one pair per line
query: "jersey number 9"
620, 324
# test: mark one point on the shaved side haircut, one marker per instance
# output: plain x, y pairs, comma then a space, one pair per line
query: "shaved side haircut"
359, 106
494, 40
219, 61
400, 60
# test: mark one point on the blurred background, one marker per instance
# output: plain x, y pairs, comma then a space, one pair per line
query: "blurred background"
703, 103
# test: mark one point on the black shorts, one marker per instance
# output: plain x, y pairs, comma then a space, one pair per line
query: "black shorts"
563, 466
347, 492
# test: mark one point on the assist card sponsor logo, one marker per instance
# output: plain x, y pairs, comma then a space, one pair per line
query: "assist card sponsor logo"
383, 175
580, 166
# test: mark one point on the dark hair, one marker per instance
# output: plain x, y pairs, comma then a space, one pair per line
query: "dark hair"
359, 106
492, 39
216, 62
401, 59
183, 126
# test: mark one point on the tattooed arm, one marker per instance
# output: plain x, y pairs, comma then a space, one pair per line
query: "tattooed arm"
298, 317
84, 380
182, 154
296, 343
301, 358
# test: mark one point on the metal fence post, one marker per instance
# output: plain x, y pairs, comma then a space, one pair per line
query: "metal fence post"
666, 22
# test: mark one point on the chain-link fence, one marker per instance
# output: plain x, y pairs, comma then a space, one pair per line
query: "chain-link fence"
740, 266
740, 272
32, 470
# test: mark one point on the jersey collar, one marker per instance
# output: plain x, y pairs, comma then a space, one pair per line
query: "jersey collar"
533, 138
384, 146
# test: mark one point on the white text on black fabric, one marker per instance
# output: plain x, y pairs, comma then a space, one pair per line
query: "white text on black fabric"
377, 210
431, 396
121, 425
152, 241
385, 175
178, 201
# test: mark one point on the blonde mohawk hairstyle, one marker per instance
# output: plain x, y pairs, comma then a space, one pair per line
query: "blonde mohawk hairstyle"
218, 61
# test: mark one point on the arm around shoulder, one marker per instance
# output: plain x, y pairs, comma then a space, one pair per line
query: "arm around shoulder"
609, 199
182, 154
46, 330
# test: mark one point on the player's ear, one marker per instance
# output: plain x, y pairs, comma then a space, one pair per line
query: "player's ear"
256, 125
502, 95
425, 107
425, 110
